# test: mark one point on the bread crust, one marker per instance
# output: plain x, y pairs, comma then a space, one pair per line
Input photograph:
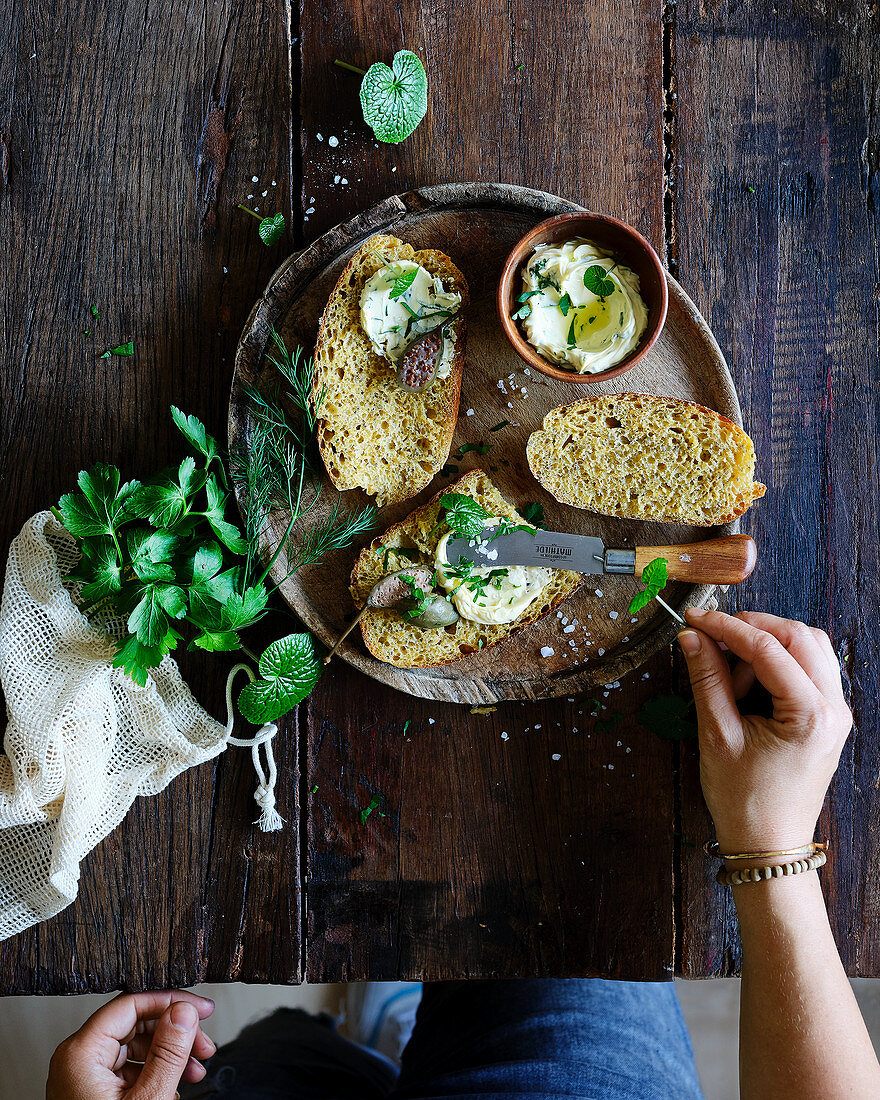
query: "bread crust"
542, 455
379, 387
426, 649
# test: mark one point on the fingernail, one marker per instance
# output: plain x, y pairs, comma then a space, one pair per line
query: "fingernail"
697, 612
690, 642
184, 1016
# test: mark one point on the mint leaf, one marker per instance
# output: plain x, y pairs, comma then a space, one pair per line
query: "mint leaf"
597, 282
655, 575
395, 100
125, 351
195, 433
289, 669
271, 229
668, 717
101, 505
465, 516
403, 283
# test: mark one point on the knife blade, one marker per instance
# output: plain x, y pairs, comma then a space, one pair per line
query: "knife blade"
726, 560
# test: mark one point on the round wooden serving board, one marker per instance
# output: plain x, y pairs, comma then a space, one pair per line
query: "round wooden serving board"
477, 225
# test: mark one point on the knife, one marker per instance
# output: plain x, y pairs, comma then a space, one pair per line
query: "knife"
726, 560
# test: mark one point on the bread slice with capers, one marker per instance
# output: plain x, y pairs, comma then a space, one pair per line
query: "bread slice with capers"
642, 457
373, 434
413, 541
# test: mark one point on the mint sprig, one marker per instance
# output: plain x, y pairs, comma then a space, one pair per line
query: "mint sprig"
654, 579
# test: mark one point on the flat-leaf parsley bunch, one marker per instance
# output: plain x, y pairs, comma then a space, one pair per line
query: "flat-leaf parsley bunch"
161, 561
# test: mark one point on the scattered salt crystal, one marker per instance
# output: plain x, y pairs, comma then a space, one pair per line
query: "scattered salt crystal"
646, 675
336, 179
319, 137
601, 651
619, 743
611, 767
255, 179
275, 185
265, 193
568, 629
684, 557
250, 196
505, 736
430, 721
332, 141
598, 592
310, 210
556, 756
564, 621
574, 729
634, 620
612, 614
470, 412
312, 199
510, 404
344, 181
501, 385
537, 725
394, 169
547, 651
628, 749
225, 270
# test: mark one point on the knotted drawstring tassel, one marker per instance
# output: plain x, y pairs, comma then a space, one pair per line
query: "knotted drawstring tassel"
270, 820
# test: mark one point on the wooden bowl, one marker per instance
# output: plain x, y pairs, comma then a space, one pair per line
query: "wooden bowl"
625, 244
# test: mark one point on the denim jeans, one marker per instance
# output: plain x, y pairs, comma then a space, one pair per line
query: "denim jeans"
585, 1038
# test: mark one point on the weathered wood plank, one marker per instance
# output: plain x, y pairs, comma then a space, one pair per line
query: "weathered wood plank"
777, 186
128, 136
494, 858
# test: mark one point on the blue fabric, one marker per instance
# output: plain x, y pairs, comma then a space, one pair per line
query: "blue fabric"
546, 1040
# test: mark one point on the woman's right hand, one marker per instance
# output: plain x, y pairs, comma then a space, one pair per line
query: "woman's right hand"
764, 779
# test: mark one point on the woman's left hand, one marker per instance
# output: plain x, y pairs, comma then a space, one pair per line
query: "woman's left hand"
160, 1029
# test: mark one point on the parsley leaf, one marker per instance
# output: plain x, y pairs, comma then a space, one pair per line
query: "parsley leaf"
164, 505
101, 505
395, 100
99, 569
134, 658
596, 280
565, 304
465, 516
209, 585
215, 514
289, 669
195, 432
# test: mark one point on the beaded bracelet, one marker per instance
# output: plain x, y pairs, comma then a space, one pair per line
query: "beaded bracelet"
711, 849
780, 870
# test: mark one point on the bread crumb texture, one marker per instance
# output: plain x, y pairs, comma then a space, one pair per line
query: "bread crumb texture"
637, 456
391, 639
372, 434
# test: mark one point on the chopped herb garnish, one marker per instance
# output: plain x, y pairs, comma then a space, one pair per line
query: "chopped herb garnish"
565, 304
406, 725
418, 594
534, 514
571, 339
525, 310
449, 470
498, 427
271, 228
374, 804
124, 351
480, 448
94, 311
315, 789
606, 725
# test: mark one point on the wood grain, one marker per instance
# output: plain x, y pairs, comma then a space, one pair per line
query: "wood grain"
501, 405
127, 139
511, 838
775, 221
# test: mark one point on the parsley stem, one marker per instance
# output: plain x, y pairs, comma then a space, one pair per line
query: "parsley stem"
351, 68
248, 210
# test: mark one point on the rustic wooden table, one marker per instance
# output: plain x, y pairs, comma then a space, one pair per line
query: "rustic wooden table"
742, 139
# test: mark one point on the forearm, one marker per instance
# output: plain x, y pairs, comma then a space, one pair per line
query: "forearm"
801, 1033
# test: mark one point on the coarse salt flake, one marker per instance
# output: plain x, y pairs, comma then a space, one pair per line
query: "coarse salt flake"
556, 756
547, 651
332, 141
612, 614
568, 629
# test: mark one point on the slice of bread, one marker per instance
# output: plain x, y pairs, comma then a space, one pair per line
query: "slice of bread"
371, 433
388, 636
642, 457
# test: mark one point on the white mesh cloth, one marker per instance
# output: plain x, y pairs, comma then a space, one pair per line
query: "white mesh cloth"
82, 739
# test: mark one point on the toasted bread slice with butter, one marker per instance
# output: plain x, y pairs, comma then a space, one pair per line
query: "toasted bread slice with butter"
642, 457
388, 636
371, 433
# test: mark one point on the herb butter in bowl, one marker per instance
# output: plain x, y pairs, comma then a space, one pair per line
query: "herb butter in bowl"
582, 297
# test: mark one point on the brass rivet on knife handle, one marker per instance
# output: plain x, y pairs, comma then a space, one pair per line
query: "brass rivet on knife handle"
727, 560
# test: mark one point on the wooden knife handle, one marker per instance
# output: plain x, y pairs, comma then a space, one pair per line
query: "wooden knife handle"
727, 560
